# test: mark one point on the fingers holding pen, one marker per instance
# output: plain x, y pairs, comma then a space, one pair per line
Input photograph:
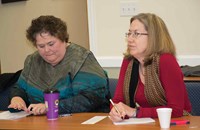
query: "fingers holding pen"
121, 109
117, 113
115, 116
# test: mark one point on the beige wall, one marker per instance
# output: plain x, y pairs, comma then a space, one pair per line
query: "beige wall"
108, 29
181, 16
16, 17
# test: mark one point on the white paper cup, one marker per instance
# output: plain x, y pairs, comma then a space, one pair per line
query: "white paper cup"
164, 116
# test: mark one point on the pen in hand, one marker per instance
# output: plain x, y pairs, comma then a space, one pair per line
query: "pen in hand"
116, 108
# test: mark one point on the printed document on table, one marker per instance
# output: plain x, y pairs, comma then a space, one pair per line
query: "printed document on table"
135, 121
94, 120
6, 115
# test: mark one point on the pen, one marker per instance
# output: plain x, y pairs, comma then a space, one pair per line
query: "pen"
179, 122
137, 105
116, 108
63, 115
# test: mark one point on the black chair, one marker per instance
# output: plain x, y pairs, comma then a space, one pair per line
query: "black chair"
112, 86
4, 99
193, 89
6, 82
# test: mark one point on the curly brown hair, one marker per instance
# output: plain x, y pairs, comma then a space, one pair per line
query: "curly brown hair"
47, 24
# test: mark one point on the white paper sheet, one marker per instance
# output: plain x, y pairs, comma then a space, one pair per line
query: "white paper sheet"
94, 120
6, 115
135, 121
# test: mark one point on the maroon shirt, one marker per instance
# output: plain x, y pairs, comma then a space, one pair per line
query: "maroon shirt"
171, 78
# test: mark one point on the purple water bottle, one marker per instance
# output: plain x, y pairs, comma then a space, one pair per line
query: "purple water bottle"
51, 97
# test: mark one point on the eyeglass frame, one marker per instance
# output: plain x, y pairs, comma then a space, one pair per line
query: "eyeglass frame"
134, 34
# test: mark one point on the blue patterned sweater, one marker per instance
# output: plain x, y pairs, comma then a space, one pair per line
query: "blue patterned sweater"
81, 81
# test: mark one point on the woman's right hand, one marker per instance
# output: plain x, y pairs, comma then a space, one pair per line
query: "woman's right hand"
18, 103
115, 116
119, 114
124, 111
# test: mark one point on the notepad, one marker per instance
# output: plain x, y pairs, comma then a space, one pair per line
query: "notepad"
135, 121
94, 120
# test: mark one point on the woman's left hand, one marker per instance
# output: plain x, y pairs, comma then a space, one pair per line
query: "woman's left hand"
37, 109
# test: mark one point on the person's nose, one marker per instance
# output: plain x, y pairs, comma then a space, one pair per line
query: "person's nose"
130, 39
46, 48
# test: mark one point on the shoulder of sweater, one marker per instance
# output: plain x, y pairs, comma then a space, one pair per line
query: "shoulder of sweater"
125, 61
75, 47
166, 57
34, 57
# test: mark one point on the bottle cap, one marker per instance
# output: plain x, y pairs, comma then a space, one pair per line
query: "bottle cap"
51, 90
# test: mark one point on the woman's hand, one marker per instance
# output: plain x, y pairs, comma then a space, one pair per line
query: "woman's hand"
37, 109
18, 103
124, 111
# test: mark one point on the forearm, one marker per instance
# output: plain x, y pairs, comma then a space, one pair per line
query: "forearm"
84, 102
151, 111
18, 92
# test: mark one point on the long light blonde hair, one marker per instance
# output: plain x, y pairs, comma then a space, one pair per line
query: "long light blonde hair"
159, 39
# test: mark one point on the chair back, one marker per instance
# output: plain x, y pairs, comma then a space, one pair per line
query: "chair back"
193, 89
112, 86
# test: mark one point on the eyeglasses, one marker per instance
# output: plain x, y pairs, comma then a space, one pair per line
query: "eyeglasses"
134, 34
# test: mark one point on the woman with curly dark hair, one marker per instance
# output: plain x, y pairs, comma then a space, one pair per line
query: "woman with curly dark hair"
59, 64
